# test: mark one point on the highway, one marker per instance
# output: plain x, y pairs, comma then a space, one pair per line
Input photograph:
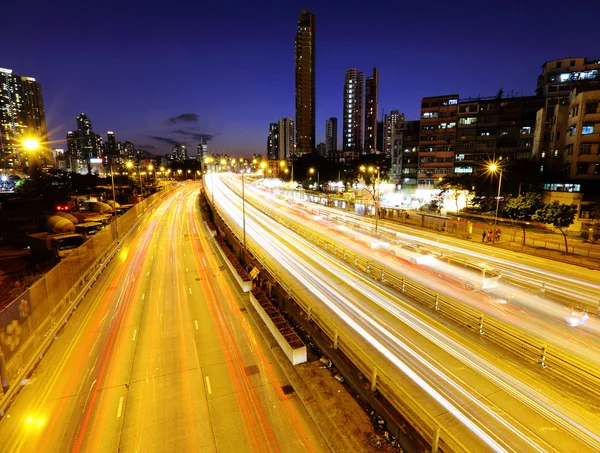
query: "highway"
486, 399
160, 357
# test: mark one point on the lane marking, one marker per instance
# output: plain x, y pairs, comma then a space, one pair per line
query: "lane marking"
143, 295
196, 321
120, 407
184, 255
95, 343
204, 262
147, 273
134, 334
186, 269
208, 385
190, 290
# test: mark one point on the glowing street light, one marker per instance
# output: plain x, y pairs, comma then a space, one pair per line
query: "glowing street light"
31, 144
375, 194
493, 168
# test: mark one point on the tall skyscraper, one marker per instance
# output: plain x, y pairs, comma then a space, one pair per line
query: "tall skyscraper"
331, 137
202, 149
273, 141
83, 145
353, 113
389, 123
111, 148
286, 139
371, 106
21, 117
305, 51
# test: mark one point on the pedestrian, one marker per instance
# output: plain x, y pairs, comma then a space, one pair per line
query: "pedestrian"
483, 236
490, 235
497, 235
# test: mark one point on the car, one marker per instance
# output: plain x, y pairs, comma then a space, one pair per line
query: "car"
413, 253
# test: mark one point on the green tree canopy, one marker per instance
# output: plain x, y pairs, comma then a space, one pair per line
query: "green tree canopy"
558, 215
523, 208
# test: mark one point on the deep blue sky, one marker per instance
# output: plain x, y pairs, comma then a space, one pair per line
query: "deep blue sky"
131, 66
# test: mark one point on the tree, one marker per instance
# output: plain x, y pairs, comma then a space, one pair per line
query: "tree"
558, 215
523, 208
457, 184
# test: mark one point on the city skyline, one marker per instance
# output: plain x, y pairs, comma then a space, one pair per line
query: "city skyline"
236, 114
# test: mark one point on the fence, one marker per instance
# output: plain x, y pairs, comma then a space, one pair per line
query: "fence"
25, 322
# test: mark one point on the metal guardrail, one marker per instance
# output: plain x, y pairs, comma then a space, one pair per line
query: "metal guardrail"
423, 422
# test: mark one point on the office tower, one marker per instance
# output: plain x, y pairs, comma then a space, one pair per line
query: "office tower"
111, 148
202, 149
286, 139
354, 83
331, 130
305, 48
371, 106
389, 124
273, 141
437, 139
21, 117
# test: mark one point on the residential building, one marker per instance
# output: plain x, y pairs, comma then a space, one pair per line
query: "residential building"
371, 107
126, 150
305, 59
404, 154
437, 139
111, 148
322, 149
381, 133
560, 77
22, 117
494, 129
389, 124
582, 139
354, 82
179, 153
273, 141
331, 131
202, 149
83, 145
286, 148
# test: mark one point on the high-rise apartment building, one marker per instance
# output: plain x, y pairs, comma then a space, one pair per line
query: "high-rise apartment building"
404, 155
286, 139
83, 145
322, 149
371, 106
111, 148
354, 83
560, 77
179, 153
581, 154
273, 141
22, 117
331, 130
305, 59
437, 139
494, 129
202, 149
389, 125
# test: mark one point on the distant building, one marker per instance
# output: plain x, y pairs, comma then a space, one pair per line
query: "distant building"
179, 153
404, 155
371, 107
22, 117
126, 150
305, 63
354, 83
389, 124
111, 149
273, 141
437, 139
322, 149
83, 145
286, 148
60, 157
331, 145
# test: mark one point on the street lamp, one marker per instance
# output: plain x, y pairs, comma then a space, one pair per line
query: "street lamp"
493, 168
31, 144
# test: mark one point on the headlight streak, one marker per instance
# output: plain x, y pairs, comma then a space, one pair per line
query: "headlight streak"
320, 290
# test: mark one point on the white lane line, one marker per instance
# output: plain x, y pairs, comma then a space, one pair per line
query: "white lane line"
186, 269
134, 334
190, 290
208, 385
204, 261
184, 255
95, 343
120, 407
143, 295
147, 273
196, 321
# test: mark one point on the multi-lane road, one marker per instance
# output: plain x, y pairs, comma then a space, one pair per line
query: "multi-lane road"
486, 399
160, 357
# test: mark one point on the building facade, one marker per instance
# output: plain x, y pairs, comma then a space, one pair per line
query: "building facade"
202, 149
331, 145
371, 107
560, 77
354, 82
404, 155
22, 117
437, 139
581, 154
83, 145
286, 150
273, 141
389, 124
305, 59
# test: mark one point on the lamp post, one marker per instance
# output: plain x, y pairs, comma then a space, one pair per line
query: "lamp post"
263, 165
493, 168
312, 171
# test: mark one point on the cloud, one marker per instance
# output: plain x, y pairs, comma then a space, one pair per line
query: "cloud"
193, 135
184, 118
148, 146
168, 140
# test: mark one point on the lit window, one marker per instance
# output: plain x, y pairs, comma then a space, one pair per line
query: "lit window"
543, 154
452, 101
587, 129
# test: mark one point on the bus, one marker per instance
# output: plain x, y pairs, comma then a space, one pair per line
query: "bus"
88, 229
485, 275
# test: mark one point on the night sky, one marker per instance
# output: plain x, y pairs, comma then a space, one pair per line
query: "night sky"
156, 75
